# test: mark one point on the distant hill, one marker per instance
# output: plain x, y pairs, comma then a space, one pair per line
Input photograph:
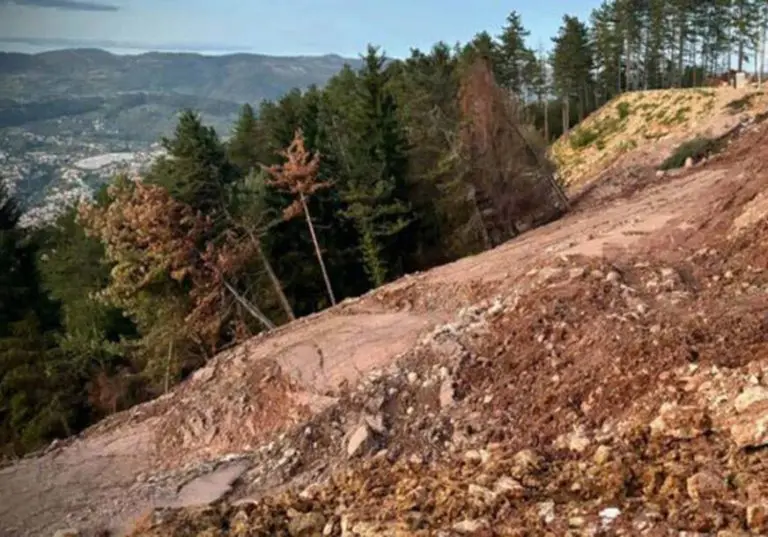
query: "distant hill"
136, 97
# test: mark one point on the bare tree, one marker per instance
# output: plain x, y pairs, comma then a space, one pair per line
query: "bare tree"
298, 175
508, 171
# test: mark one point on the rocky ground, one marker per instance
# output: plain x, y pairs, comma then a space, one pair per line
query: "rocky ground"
604, 375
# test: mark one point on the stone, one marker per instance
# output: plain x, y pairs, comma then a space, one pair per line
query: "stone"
680, 422
474, 455
482, 493
705, 486
750, 430
527, 461
306, 525
376, 423
467, 527
750, 396
507, 485
608, 515
547, 511
602, 455
578, 441
689, 162
757, 517
446, 394
360, 441
613, 277
577, 272
69, 532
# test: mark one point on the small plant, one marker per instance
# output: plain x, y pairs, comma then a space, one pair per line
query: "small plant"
600, 144
739, 105
582, 137
681, 116
695, 149
627, 145
623, 109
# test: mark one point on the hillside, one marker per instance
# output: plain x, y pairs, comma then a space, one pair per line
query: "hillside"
605, 374
59, 107
136, 95
645, 127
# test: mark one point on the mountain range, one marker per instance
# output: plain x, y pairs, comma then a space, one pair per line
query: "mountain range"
138, 96
71, 119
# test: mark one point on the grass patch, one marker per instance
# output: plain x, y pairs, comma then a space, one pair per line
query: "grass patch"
696, 149
739, 105
582, 137
623, 109
681, 116
627, 145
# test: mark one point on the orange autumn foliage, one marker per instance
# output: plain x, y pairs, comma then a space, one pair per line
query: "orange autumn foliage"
162, 250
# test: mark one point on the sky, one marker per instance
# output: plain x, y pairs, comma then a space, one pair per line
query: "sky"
274, 27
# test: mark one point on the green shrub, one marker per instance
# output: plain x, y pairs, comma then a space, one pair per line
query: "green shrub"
582, 137
600, 145
696, 149
623, 109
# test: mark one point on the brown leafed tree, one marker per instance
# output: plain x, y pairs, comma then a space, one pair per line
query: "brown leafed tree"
168, 273
510, 180
298, 175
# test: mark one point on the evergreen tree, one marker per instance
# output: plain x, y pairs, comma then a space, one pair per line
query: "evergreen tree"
245, 143
514, 57
572, 66
198, 171
375, 190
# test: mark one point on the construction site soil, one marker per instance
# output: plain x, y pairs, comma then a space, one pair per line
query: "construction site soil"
606, 374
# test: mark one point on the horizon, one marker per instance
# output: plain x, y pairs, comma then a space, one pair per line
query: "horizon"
325, 27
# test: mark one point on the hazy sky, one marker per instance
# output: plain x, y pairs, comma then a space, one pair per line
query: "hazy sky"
283, 27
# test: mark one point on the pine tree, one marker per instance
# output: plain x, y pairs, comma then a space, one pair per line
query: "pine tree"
572, 66
245, 143
375, 191
514, 57
198, 171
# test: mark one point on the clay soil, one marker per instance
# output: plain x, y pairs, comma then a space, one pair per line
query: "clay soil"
588, 377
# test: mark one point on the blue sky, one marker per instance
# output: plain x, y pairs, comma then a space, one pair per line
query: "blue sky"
280, 27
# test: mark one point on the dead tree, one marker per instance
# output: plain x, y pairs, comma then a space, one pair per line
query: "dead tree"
298, 175
512, 180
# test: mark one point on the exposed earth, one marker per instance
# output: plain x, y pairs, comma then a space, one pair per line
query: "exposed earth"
606, 374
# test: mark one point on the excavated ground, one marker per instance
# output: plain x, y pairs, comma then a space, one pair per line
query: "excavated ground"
604, 375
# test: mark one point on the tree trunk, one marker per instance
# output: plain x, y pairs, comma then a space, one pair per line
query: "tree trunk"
251, 308
317, 248
764, 24
566, 115
167, 381
546, 120
273, 278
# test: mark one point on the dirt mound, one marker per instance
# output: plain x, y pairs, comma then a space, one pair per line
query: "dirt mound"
624, 395
606, 373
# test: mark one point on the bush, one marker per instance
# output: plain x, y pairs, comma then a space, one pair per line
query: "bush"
696, 149
582, 137
623, 109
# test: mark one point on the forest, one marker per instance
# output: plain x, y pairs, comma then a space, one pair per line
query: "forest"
323, 194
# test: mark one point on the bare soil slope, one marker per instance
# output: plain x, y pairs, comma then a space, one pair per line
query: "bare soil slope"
608, 372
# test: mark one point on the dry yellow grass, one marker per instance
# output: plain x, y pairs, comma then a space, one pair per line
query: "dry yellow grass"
650, 122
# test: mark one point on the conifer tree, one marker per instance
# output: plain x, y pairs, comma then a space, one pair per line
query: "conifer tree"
198, 171
514, 57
